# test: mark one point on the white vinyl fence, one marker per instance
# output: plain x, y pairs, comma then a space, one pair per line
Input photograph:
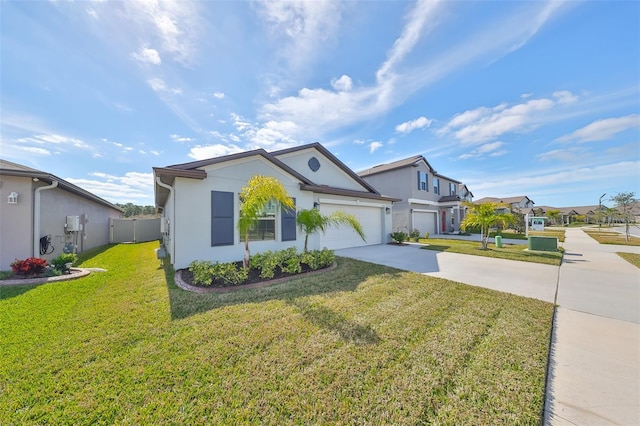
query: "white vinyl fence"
134, 230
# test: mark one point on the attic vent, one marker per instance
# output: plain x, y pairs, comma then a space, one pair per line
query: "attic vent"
314, 164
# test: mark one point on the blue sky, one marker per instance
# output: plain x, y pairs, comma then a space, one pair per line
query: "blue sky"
512, 98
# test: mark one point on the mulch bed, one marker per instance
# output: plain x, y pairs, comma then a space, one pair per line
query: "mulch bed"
184, 280
24, 280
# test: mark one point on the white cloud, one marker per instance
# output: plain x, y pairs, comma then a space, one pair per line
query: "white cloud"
487, 150
565, 97
374, 145
158, 85
602, 130
202, 152
174, 26
147, 56
410, 126
486, 123
319, 111
45, 139
131, 187
218, 95
92, 12
300, 26
343, 84
417, 20
181, 139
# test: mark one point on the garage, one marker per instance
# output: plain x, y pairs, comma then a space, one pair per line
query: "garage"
424, 222
343, 237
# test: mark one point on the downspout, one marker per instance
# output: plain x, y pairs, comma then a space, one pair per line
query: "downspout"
172, 224
36, 216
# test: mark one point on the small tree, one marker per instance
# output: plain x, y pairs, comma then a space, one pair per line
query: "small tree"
312, 221
553, 216
254, 197
624, 202
485, 216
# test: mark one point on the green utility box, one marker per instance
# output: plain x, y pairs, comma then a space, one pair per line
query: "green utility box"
499, 241
543, 243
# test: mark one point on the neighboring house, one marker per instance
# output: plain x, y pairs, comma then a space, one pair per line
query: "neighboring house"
519, 204
200, 204
430, 202
35, 205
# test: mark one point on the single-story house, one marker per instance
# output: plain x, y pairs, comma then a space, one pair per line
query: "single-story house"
41, 215
518, 204
200, 204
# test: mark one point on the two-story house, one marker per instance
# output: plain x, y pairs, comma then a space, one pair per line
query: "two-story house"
430, 202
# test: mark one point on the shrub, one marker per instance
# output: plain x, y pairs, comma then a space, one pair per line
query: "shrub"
266, 262
229, 273
60, 262
202, 271
293, 265
415, 235
426, 235
327, 257
5, 275
317, 259
29, 266
399, 237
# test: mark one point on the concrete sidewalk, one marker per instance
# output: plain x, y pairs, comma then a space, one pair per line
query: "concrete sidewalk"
594, 374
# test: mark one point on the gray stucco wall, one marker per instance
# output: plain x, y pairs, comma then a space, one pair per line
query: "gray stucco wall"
15, 220
56, 204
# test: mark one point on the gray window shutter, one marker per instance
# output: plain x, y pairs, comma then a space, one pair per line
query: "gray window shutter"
221, 218
288, 223
418, 180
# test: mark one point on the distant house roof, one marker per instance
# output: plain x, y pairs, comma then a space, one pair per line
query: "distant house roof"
504, 200
8, 168
407, 162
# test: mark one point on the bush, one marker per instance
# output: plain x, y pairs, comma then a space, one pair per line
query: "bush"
266, 262
29, 266
202, 271
399, 237
426, 235
415, 235
229, 273
293, 265
317, 259
60, 262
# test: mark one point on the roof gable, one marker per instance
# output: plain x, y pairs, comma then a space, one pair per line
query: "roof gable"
406, 162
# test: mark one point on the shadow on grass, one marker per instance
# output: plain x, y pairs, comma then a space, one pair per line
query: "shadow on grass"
347, 276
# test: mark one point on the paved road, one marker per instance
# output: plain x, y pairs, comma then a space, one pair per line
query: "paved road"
594, 374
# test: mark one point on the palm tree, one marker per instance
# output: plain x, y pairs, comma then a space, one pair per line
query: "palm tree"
312, 221
485, 216
254, 197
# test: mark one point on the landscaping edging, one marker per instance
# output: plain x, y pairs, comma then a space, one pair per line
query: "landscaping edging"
206, 290
72, 275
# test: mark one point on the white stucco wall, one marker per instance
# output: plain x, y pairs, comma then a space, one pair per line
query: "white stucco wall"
328, 173
16, 220
192, 218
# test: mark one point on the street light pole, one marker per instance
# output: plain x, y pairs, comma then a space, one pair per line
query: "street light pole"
600, 211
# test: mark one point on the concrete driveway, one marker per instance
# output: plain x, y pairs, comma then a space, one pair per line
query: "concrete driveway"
522, 278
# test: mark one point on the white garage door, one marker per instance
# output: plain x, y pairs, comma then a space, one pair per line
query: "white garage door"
424, 222
343, 236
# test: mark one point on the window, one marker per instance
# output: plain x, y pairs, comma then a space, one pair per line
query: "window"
436, 186
265, 227
422, 181
452, 189
222, 226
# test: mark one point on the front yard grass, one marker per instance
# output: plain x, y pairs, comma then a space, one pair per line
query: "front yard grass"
508, 251
362, 344
611, 237
632, 258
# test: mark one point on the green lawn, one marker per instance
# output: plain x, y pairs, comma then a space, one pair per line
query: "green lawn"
632, 258
362, 344
508, 251
611, 237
